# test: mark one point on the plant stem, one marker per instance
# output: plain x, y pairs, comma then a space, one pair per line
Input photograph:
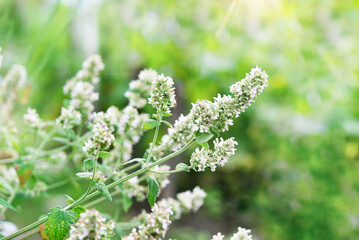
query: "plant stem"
111, 185
152, 145
12, 196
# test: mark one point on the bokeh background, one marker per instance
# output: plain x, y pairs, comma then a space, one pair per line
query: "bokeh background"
296, 171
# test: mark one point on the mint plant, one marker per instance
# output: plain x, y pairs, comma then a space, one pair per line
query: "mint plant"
99, 147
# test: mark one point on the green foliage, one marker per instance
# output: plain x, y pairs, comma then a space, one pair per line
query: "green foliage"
150, 124
103, 154
7, 205
59, 222
153, 189
182, 167
202, 137
103, 190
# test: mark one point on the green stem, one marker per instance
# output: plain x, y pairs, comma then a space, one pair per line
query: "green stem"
10, 199
153, 143
111, 185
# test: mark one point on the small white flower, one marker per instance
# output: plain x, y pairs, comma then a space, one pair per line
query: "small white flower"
162, 94
32, 119
218, 236
242, 234
69, 118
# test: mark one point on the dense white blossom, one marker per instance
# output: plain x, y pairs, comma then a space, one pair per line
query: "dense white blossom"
81, 88
246, 90
242, 234
192, 201
91, 225
32, 119
203, 115
218, 236
223, 105
154, 226
140, 89
69, 118
101, 138
219, 156
162, 94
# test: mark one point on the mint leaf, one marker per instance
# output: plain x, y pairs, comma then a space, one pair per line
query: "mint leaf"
103, 190
84, 175
205, 145
8, 205
153, 189
59, 222
167, 123
182, 167
203, 137
150, 124
104, 154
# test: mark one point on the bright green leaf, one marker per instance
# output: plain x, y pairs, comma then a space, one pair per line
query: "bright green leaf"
8, 205
126, 202
203, 137
167, 114
182, 167
153, 189
59, 222
103, 190
205, 145
150, 124
167, 123
84, 175
104, 154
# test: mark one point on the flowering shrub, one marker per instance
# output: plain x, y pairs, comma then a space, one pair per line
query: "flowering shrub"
99, 146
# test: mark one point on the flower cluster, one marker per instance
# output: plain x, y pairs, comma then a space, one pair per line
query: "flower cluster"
129, 130
188, 201
140, 89
176, 137
81, 87
154, 226
223, 149
101, 138
219, 113
91, 225
241, 234
33, 119
13, 80
69, 118
162, 94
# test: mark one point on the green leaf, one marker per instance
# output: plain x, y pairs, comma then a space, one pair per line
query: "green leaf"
8, 205
149, 124
79, 209
167, 114
182, 167
103, 190
153, 189
84, 175
205, 145
69, 199
59, 222
104, 154
203, 137
89, 164
167, 123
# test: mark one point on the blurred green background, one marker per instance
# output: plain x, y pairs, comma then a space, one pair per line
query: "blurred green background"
296, 171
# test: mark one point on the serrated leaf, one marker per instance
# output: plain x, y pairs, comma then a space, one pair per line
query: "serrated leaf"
182, 167
205, 145
59, 222
8, 205
104, 154
150, 124
153, 189
103, 190
167, 123
203, 137
89, 164
84, 175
